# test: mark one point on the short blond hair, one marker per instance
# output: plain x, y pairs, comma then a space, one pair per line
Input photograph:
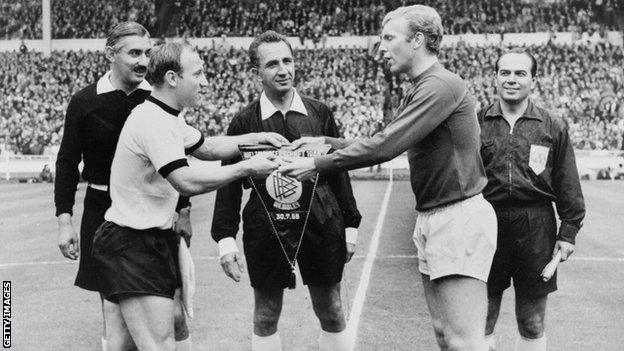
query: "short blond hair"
423, 19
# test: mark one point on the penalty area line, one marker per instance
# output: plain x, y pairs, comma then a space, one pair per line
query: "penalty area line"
360, 295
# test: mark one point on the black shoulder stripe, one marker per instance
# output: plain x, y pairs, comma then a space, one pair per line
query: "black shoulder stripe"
195, 146
172, 166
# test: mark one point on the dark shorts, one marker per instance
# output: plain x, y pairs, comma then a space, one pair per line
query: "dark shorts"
96, 202
321, 258
136, 262
526, 238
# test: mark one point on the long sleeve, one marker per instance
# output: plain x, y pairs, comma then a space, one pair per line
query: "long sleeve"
340, 183
69, 156
430, 103
569, 197
226, 217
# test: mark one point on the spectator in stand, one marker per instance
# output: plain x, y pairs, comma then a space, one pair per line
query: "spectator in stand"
583, 84
80, 19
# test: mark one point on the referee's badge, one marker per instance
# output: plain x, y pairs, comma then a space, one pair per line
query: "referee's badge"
538, 157
286, 191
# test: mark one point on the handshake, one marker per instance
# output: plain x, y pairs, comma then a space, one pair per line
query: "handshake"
271, 151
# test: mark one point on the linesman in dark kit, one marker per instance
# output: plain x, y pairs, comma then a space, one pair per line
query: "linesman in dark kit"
286, 220
530, 163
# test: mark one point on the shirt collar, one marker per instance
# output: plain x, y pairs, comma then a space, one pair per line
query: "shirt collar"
267, 109
170, 110
104, 85
433, 68
530, 112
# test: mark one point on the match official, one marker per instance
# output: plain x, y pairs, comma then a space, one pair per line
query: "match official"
529, 161
319, 245
436, 124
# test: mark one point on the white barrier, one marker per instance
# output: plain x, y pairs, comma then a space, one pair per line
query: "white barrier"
25, 166
588, 162
613, 37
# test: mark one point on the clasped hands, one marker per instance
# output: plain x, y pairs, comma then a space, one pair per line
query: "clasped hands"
301, 168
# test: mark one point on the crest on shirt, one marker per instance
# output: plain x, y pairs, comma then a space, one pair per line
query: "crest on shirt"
538, 157
286, 191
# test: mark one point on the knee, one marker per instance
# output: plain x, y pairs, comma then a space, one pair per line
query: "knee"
452, 340
265, 322
179, 323
531, 327
331, 317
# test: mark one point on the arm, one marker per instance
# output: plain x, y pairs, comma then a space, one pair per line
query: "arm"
226, 216
226, 147
202, 178
340, 185
163, 144
66, 181
570, 203
429, 105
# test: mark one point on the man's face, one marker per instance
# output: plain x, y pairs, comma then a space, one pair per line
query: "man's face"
396, 47
191, 80
276, 68
513, 79
130, 58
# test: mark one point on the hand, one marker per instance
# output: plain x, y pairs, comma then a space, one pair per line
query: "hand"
260, 165
183, 225
350, 251
566, 249
301, 168
233, 265
270, 138
306, 140
68, 241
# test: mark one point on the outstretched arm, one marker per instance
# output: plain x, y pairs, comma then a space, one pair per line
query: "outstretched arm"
202, 178
226, 147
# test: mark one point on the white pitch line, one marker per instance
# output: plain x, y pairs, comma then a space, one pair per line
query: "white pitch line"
410, 257
360, 295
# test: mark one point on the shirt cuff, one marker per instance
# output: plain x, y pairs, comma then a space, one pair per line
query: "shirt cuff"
567, 233
323, 163
351, 235
226, 246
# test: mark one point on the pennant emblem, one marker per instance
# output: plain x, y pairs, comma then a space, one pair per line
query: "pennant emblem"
286, 191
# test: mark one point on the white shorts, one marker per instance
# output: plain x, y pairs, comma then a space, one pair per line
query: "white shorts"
458, 239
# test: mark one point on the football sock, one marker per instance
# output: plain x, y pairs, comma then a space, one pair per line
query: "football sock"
184, 345
339, 341
490, 341
266, 343
524, 344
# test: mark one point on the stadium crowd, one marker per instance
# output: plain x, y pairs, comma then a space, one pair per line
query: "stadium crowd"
583, 84
20, 19
304, 18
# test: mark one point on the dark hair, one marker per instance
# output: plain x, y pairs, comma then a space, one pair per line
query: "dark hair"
521, 52
125, 29
165, 58
266, 37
